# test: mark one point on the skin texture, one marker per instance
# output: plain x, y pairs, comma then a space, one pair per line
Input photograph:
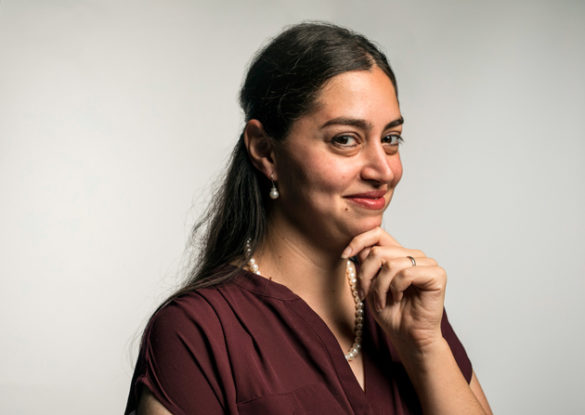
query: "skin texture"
149, 405
336, 172
318, 167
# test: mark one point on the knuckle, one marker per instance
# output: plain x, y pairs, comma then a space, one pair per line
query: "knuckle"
364, 253
442, 274
391, 263
403, 273
395, 281
375, 251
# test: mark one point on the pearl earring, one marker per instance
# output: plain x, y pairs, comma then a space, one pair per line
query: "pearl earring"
273, 190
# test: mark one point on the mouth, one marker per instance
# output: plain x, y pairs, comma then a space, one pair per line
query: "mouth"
373, 200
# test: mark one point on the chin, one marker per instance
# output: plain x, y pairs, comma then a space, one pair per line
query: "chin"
364, 225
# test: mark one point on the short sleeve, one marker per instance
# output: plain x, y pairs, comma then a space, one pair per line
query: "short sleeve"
456, 348
177, 362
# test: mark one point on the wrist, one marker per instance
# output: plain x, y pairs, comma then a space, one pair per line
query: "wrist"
423, 356
437, 379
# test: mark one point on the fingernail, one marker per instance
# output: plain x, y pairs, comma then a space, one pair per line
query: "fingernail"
377, 305
346, 253
361, 294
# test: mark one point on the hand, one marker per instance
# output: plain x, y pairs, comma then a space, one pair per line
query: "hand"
408, 299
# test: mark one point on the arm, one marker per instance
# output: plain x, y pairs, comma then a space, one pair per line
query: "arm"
440, 385
148, 405
407, 296
479, 395
177, 372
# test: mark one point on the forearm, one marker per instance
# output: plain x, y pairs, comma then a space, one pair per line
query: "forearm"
438, 381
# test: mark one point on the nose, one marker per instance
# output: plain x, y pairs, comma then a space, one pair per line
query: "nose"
377, 166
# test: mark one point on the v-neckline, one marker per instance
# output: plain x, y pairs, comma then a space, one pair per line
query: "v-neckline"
356, 395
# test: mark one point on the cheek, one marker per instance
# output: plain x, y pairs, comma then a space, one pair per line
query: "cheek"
319, 176
329, 175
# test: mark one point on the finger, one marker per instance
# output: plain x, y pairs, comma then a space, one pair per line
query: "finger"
427, 278
389, 272
378, 256
376, 236
395, 251
364, 254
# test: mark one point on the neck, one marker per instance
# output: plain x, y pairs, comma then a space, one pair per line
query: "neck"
317, 275
306, 266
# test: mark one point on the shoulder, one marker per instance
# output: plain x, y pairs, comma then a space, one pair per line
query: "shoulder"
186, 310
204, 311
201, 309
183, 354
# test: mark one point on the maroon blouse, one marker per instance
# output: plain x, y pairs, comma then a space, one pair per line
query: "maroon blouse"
252, 346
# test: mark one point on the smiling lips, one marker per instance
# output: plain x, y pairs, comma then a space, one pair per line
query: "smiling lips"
370, 200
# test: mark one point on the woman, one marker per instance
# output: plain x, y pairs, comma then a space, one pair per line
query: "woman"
272, 320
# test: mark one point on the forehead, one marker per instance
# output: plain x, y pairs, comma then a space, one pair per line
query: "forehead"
358, 94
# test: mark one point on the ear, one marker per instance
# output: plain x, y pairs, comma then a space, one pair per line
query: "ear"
260, 147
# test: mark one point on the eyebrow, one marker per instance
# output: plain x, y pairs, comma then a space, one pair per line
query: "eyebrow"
359, 123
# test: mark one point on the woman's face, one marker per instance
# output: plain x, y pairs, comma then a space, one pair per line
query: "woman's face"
339, 165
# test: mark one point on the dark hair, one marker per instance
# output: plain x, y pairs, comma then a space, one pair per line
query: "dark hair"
281, 85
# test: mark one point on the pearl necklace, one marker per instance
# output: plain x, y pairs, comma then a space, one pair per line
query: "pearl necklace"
359, 305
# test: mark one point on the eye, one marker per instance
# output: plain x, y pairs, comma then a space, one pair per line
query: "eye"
392, 139
345, 140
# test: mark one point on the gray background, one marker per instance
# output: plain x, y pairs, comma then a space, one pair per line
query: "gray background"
115, 117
